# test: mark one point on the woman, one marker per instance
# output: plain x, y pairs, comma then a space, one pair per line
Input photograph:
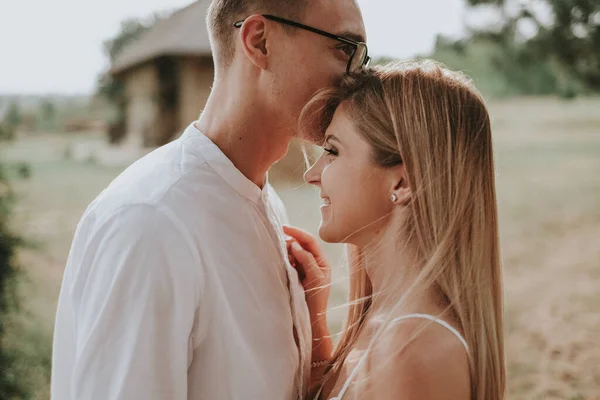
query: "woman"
407, 182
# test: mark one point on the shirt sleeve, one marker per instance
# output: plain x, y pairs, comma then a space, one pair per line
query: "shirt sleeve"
135, 298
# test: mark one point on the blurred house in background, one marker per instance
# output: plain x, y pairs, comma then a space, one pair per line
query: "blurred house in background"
167, 74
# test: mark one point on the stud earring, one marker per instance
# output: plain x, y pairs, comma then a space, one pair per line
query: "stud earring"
394, 198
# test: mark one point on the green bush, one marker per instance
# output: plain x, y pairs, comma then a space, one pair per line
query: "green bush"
503, 70
7, 132
24, 170
10, 382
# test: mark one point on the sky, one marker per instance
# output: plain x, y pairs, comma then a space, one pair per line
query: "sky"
55, 46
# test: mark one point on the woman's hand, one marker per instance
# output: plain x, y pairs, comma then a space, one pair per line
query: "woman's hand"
314, 272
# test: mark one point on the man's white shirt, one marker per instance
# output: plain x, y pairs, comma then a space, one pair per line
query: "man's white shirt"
178, 287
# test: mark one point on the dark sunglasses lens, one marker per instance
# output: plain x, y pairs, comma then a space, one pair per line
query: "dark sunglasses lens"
359, 59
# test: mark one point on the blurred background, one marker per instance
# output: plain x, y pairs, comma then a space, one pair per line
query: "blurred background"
86, 88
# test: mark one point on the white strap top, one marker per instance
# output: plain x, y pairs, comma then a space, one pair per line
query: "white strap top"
364, 356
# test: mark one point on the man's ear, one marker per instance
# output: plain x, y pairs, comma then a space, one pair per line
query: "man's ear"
254, 40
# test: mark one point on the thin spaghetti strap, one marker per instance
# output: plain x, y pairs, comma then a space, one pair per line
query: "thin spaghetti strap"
439, 321
351, 377
364, 356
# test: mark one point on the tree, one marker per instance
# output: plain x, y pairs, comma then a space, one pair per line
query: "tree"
10, 387
130, 30
111, 87
567, 34
47, 115
48, 110
13, 116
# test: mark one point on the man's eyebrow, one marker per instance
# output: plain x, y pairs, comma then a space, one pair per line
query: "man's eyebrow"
352, 35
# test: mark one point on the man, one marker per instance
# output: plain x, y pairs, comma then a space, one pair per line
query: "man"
177, 284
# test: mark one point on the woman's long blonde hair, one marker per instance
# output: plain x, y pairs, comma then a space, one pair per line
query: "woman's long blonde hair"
434, 122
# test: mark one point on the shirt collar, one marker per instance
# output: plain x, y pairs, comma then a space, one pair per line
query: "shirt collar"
212, 154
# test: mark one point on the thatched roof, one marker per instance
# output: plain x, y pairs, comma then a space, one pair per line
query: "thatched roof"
183, 33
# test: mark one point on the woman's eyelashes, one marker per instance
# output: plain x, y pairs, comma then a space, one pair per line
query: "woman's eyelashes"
332, 151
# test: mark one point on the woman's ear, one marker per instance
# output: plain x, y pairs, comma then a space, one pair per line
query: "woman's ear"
401, 192
254, 40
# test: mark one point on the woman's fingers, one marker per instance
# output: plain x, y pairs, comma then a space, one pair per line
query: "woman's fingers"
306, 240
297, 265
304, 249
300, 270
314, 279
288, 242
302, 256
300, 235
306, 262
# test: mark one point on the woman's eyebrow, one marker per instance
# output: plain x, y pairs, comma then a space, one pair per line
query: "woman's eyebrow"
332, 137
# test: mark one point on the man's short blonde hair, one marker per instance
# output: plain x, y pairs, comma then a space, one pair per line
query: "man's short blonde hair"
222, 14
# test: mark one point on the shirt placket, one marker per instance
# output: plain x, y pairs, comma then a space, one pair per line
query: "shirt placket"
299, 336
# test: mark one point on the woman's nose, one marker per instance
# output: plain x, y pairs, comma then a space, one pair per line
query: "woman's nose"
313, 175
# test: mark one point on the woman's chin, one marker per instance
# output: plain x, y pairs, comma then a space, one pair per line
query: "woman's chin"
327, 234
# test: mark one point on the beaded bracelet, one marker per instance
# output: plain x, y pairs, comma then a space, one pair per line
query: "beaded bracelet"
318, 364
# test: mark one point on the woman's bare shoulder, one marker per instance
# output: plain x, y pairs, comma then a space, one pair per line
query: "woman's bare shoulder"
419, 359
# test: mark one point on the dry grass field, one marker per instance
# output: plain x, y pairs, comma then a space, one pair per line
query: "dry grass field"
548, 181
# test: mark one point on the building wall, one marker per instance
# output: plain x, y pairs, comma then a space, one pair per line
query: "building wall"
196, 78
141, 88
